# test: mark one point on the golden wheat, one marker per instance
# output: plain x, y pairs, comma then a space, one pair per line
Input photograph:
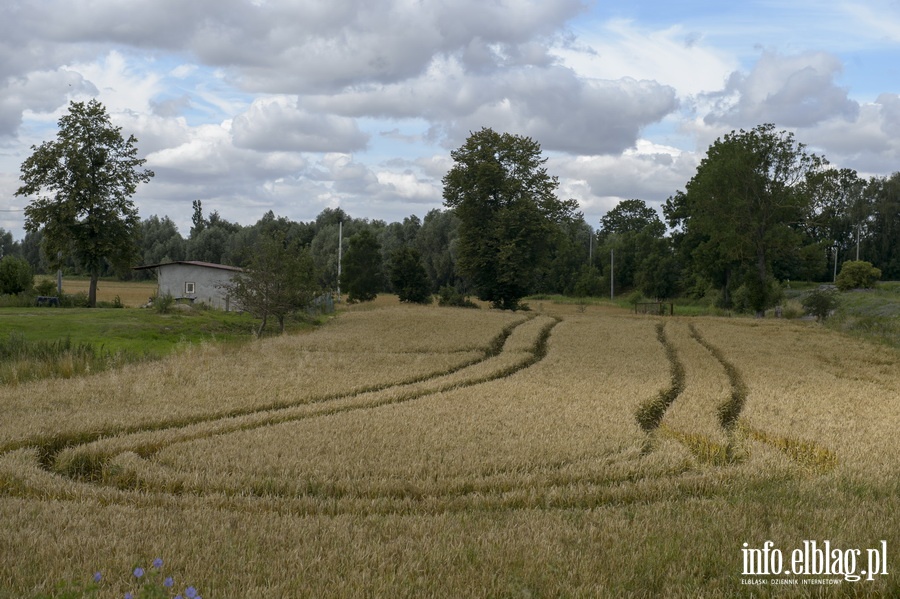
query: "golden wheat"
404, 451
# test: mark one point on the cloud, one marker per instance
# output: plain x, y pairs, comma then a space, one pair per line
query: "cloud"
39, 91
279, 124
649, 172
790, 91
553, 104
568, 114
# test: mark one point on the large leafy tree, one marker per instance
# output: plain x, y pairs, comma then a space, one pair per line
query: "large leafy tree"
508, 213
744, 207
83, 182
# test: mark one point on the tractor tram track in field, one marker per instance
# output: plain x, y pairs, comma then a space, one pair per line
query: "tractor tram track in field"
119, 467
738, 432
88, 459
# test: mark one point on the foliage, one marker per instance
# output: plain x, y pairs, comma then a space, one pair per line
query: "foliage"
90, 172
857, 274
160, 242
589, 282
743, 208
280, 280
820, 303
361, 274
163, 303
451, 297
15, 275
436, 241
409, 278
506, 204
46, 287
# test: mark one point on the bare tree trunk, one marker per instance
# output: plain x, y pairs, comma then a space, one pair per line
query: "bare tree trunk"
262, 325
92, 290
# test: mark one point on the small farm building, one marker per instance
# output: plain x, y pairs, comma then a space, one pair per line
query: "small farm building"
194, 281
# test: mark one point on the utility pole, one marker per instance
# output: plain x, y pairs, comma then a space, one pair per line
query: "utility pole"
591, 248
340, 255
835, 264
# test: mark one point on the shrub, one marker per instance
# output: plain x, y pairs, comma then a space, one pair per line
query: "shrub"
409, 278
449, 296
857, 274
164, 303
589, 283
636, 297
46, 288
15, 275
820, 303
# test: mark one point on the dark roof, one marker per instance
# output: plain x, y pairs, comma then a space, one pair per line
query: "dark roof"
192, 263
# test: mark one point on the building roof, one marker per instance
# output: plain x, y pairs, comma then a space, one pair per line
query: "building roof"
192, 263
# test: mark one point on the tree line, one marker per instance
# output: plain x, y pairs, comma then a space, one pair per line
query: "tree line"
760, 210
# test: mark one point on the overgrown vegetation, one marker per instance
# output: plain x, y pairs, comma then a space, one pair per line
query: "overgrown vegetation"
39, 343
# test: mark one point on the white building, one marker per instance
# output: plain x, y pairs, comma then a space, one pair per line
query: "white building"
195, 281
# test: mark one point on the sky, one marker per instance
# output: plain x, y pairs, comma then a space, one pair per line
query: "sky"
295, 106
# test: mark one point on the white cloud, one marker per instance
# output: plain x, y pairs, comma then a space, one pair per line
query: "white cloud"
672, 56
279, 124
790, 91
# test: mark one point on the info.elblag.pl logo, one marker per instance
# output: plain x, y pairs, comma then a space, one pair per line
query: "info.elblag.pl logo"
813, 559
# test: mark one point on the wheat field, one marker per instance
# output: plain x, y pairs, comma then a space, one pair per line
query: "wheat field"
421, 451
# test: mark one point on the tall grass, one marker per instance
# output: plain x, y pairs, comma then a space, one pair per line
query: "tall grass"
22, 360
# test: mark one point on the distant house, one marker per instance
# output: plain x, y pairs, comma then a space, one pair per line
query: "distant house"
195, 281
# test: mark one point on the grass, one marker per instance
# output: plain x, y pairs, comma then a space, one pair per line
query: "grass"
134, 331
411, 451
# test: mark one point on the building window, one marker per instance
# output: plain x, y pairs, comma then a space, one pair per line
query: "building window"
189, 289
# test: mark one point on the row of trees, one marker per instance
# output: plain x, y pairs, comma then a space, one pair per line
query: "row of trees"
759, 210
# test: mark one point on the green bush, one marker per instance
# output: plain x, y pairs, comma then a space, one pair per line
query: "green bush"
449, 296
164, 303
46, 288
820, 303
15, 275
857, 274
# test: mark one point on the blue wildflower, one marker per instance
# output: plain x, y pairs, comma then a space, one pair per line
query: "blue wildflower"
157, 563
138, 572
190, 593
129, 596
97, 576
168, 582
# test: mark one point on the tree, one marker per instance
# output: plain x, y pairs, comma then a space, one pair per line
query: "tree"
409, 278
280, 280
634, 232
744, 206
90, 173
820, 303
507, 208
361, 274
160, 242
15, 275
436, 241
